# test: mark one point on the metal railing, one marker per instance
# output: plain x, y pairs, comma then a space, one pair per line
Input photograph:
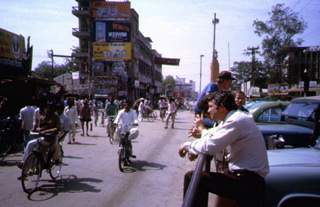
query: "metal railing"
203, 163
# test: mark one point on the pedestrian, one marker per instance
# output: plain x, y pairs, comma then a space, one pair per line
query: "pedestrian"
141, 109
85, 117
224, 82
248, 163
95, 110
240, 100
171, 113
26, 119
72, 112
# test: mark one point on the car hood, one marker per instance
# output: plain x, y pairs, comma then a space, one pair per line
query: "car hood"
294, 157
283, 129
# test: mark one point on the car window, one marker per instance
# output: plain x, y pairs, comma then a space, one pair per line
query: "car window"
300, 110
273, 114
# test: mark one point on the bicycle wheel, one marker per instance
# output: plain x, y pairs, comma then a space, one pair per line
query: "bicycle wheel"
111, 134
55, 169
122, 158
5, 148
151, 116
31, 173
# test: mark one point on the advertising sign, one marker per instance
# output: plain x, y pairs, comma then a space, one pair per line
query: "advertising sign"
114, 51
12, 46
278, 89
108, 11
113, 32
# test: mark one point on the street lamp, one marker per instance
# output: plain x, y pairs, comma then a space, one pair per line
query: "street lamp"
201, 56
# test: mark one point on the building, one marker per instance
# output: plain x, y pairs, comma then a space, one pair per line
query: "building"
114, 57
185, 90
301, 66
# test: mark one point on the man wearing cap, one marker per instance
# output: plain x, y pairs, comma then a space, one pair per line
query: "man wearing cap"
224, 82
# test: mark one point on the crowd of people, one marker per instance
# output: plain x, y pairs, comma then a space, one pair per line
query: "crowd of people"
223, 129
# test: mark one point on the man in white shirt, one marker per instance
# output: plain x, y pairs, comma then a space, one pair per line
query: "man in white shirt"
127, 116
72, 112
171, 113
26, 118
248, 162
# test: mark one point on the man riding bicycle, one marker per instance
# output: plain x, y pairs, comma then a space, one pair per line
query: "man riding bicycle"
111, 110
48, 127
129, 117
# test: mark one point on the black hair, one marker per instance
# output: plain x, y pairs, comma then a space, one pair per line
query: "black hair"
226, 98
220, 97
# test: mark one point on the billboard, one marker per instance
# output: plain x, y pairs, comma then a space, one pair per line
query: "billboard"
278, 89
108, 11
12, 46
113, 51
113, 32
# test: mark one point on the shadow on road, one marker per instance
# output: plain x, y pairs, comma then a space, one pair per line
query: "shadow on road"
140, 165
79, 143
64, 184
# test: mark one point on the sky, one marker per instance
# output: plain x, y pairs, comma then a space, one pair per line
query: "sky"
178, 28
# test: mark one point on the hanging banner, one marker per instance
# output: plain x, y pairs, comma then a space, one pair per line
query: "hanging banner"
112, 51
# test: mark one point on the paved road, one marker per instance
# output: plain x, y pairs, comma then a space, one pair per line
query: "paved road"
92, 177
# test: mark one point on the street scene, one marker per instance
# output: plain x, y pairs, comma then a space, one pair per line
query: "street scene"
91, 176
130, 103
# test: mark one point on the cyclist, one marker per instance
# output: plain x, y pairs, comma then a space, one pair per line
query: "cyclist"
49, 123
111, 110
128, 116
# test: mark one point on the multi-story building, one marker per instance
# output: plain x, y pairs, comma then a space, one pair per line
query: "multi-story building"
113, 55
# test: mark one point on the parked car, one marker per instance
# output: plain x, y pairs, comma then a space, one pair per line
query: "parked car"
299, 123
294, 178
267, 111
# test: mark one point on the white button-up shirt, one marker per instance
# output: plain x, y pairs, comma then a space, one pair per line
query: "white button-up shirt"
247, 145
127, 117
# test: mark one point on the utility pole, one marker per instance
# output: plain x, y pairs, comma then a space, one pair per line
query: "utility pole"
214, 22
201, 56
253, 63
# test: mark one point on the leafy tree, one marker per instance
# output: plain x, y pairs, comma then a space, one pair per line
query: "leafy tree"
278, 34
242, 71
45, 70
169, 80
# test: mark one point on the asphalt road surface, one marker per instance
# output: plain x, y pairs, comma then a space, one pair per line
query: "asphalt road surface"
91, 176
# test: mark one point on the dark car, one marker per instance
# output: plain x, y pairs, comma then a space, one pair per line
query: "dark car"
294, 178
299, 123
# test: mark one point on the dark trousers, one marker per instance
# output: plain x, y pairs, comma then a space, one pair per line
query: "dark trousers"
247, 190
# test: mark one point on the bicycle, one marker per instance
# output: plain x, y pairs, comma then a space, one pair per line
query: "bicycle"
38, 160
125, 147
150, 115
111, 128
8, 137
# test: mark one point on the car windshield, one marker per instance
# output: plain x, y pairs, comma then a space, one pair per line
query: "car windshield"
300, 110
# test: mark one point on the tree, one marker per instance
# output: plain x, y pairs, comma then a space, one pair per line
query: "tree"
169, 80
278, 34
242, 73
45, 70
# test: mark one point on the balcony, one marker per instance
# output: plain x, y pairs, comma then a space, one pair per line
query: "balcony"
81, 33
80, 11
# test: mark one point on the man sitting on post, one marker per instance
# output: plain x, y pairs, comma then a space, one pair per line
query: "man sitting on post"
248, 162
